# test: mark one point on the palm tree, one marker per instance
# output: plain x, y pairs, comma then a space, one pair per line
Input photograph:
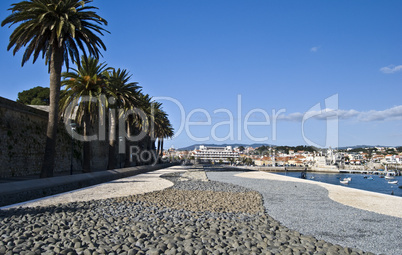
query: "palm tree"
125, 96
163, 130
167, 132
161, 127
141, 123
136, 123
84, 87
156, 117
57, 30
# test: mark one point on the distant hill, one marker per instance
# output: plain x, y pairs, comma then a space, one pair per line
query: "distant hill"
256, 145
234, 145
363, 146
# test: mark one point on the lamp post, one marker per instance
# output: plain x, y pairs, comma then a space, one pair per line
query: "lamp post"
73, 126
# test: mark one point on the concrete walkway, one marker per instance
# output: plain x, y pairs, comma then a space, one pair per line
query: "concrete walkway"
138, 184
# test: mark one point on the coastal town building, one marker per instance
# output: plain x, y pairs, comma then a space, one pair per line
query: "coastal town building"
320, 160
249, 150
215, 153
392, 159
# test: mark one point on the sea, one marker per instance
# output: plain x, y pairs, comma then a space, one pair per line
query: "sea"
376, 184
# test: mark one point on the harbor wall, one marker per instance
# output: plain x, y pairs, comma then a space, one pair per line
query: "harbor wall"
291, 169
23, 138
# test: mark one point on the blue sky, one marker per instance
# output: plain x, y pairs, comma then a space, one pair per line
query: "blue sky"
286, 56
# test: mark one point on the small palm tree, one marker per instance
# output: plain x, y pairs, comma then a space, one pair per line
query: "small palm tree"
84, 87
125, 96
55, 30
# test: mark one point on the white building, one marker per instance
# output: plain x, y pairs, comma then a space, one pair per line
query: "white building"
330, 159
392, 159
215, 153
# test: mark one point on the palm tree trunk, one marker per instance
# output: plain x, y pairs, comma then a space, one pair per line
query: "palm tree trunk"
112, 141
55, 65
86, 168
127, 162
137, 145
152, 150
158, 148
161, 151
149, 149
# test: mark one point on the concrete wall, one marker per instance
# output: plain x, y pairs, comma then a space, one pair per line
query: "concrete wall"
22, 141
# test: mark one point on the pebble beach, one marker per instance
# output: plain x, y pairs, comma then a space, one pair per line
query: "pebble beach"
202, 213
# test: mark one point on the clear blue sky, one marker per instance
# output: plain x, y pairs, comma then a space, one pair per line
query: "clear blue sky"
288, 55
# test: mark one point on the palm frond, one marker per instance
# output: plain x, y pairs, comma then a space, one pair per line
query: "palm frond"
43, 25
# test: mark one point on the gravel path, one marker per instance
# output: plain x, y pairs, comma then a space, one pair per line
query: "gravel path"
307, 209
194, 216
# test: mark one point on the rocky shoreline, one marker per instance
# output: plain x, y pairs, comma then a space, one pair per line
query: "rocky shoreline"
195, 216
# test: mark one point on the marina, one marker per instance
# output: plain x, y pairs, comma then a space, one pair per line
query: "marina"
371, 172
374, 183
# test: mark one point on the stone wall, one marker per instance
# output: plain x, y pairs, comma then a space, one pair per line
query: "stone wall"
23, 138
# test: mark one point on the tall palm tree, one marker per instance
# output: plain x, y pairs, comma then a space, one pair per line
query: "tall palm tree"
156, 125
160, 118
125, 96
57, 30
155, 120
145, 105
136, 122
84, 87
166, 132
141, 123
161, 127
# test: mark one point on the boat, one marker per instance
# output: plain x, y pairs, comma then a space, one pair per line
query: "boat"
349, 179
344, 181
312, 177
390, 176
393, 182
370, 178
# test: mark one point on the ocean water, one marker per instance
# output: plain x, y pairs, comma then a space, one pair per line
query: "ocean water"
377, 184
